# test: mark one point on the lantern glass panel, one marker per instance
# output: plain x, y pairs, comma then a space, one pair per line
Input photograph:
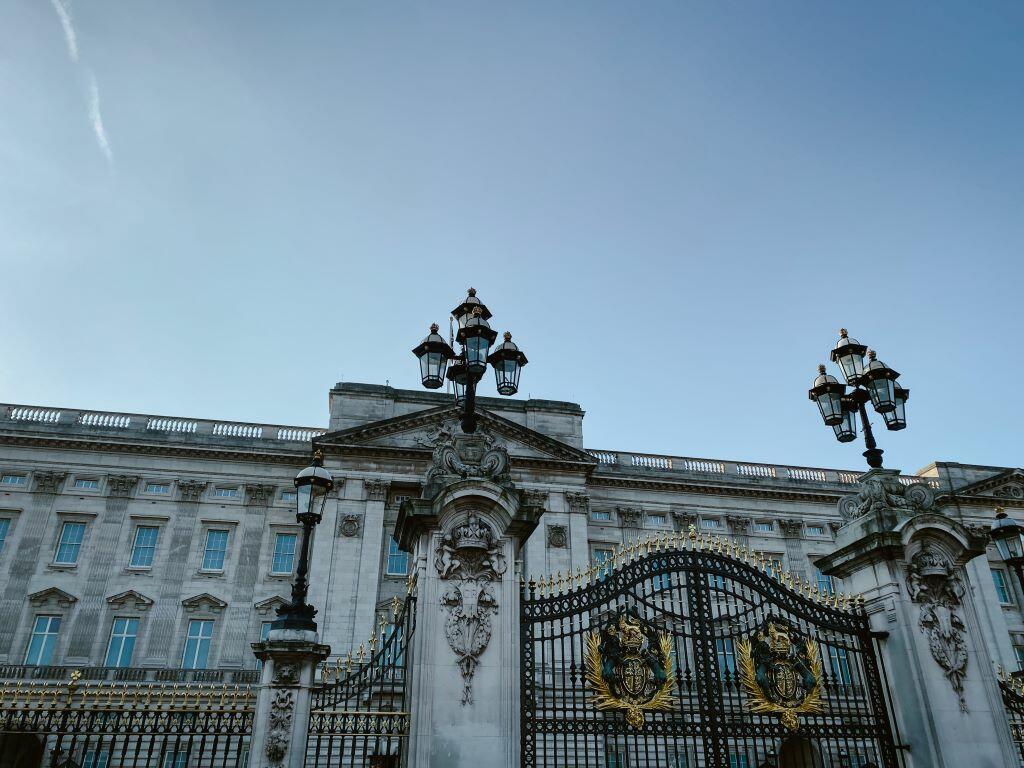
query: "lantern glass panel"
896, 419
852, 365
506, 375
846, 430
1009, 547
476, 354
831, 406
460, 390
883, 394
432, 369
303, 497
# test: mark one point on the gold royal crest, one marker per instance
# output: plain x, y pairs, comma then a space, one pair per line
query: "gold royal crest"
782, 676
629, 667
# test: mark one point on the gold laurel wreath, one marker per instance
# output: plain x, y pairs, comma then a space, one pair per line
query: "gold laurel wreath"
760, 704
604, 698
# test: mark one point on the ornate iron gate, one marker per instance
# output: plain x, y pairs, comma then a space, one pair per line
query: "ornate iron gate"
362, 717
1012, 689
687, 651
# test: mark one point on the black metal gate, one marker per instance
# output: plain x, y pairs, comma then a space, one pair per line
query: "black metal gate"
1012, 690
690, 652
361, 718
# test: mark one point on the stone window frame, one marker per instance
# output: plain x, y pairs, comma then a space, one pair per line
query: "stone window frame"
772, 530
237, 498
60, 518
280, 498
717, 523
271, 529
51, 606
215, 524
168, 494
111, 615
610, 520
822, 530
24, 473
1007, 585
87, 491
137, 521
665, 523
13, 515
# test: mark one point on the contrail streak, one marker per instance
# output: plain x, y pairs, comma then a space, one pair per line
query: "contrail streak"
70, 37
96, 117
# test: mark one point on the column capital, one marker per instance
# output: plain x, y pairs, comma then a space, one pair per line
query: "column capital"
191, 490
49, 481
258, 494
578, 501
121, 485
376, 489
630, 516
738, 524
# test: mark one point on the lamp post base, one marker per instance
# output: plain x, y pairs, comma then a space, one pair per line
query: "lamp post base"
874, 457
295, 617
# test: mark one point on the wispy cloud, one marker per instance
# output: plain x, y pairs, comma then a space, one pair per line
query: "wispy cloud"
63, 8
64, 12
96, 117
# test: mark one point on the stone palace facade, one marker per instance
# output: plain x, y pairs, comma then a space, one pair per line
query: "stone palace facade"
168, 542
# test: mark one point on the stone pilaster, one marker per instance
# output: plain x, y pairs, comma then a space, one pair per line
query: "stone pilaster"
281, 722
907, 560
371, 553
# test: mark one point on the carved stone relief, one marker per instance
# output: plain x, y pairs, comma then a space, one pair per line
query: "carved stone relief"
191, 490
280, 721
471, 558
558, 536
376, 490
738, 524
630, 516
1010, 491
578, 502
259, 495
684, 518
791, 529
49, 482
935, 586
286, 674
455, 455
886, 496
349, 525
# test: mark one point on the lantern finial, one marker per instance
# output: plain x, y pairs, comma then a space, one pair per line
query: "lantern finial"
842, 333
507, 336
434, 327
821, 369
471, 292
871, 354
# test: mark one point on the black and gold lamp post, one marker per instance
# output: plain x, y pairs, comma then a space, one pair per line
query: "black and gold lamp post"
465, 369
312, 485
872, 382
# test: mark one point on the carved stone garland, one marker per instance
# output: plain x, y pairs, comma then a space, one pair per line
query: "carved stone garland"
934, 584
471, 558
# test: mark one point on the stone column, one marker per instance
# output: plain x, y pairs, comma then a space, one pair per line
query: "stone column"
370, 559
907, 560
464, 688
281, 723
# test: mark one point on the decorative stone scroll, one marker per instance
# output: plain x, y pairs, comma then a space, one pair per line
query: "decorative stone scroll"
463, 456
471, 558
558, 536
882, 494
934, 584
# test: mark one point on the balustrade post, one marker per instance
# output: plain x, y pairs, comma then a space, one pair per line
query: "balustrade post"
285, 697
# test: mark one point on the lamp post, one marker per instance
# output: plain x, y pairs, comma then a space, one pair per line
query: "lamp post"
1008, 536
465, 369
874, 382
312, 486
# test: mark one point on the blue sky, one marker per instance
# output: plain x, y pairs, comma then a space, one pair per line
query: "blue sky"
219, 209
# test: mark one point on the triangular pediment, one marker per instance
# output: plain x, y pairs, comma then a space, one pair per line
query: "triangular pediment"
416, 432
131, 599
52, 596
269, 606
203, 602
1008, 485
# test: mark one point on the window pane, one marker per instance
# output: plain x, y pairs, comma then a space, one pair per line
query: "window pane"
1002, 590
5, 526
43, 641
122, 642
216, 549
284, 553
826, 585
398, 559
71, 535
145, 546
197, 644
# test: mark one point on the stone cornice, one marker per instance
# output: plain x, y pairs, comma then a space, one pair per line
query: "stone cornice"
682, 486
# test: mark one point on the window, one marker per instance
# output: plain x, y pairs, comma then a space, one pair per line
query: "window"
1002, 588
13, 480
738, 761
122, 642
158, 487
398, 559
815, 530
225, 493
43, 641
764, 526
197, 644
264, 631
839, 659
284, 553
726, 652
615, 758
175, 759
144, 546
826, 584
710, 523
656, 520
398, 498
71, 535
243, 758
679, 759
1019, 651
603, 560
216, 549
288, 495
96, 759
601, 515
86, 484
5, 526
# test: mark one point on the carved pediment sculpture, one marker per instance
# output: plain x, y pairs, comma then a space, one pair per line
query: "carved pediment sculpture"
131, 600
882, 494
470, 557
460, 456
934, 584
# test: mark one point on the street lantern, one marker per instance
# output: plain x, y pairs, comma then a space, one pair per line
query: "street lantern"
312, 485
507, 362
896, 419
827, 392
1008, 536
465, 369
880, 381
476, 337
434, 354
849, 355
874, 383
